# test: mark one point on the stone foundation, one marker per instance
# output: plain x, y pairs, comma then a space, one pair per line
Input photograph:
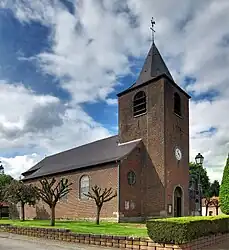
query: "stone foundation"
111, 241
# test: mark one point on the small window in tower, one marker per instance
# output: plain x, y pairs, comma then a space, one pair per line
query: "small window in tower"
131, 177
139, 105
177, 104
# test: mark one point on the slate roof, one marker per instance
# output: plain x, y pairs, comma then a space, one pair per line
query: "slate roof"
153, 68
88, 155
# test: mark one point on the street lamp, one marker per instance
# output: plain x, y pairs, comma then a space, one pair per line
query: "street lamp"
199, 159
199, 162
1, 168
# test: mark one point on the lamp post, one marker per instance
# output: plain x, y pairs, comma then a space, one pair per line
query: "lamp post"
1, 168
199, 162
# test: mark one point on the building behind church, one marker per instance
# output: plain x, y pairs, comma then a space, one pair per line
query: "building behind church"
147, 162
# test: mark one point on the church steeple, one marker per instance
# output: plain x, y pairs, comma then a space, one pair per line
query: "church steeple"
154, 66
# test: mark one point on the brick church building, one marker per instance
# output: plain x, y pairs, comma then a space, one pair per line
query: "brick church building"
147, 162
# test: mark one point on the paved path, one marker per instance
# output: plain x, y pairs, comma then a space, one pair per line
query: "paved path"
19, 242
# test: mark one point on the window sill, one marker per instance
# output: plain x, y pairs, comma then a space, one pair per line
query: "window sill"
136, 116
181, 117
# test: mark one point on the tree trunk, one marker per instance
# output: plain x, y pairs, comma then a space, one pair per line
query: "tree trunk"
52, 223
0, 212
22, 211
98, 214
206, 213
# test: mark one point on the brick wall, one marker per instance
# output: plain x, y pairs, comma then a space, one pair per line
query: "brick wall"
176, 135
149, 127
161, 131
131, 195
75, 208
112, 241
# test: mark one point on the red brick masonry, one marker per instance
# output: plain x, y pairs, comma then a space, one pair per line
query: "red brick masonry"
111, 241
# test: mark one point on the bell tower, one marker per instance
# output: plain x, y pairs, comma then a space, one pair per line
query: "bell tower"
156, 110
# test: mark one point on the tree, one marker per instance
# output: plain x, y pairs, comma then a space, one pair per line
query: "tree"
51, 192
5, 180
204, 179
214, 188
18, 192
224, 190
216, 204
100, 197
207, 204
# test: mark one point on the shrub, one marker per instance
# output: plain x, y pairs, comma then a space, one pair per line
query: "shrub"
224, 190
185, 229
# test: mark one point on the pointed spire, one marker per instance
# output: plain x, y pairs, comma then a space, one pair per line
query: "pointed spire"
154, 66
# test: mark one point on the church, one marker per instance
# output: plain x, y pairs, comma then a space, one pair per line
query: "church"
147, 163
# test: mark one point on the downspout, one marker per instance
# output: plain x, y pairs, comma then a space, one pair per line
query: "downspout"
118, 192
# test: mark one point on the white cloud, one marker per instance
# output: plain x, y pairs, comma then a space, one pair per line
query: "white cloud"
38, 125
111, 101
91, 49
14, 166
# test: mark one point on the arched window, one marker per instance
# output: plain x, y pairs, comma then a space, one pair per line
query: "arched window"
131, 177
177, 104
139, 104
84, 187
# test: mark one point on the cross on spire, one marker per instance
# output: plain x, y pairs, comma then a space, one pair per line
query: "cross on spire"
152, 28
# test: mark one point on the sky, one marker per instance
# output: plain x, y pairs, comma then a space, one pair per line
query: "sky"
63, 62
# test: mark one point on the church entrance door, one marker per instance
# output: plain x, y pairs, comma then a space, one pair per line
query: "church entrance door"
178, 195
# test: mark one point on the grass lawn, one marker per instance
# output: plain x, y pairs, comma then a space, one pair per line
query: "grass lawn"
109, 228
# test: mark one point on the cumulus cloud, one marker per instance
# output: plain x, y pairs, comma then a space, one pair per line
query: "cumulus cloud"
91, 47
22, 104
18, 164
33, 126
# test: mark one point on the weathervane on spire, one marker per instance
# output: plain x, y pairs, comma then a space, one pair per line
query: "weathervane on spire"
152, 28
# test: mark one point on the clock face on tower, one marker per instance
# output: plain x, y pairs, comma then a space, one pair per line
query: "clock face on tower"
178, 154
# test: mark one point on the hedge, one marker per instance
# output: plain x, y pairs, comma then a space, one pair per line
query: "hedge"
185, 229
224, 190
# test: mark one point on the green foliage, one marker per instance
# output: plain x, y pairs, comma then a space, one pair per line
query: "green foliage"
18, 192
214, 189
194, 170
185, 229
224, 190
5, 180
51, 192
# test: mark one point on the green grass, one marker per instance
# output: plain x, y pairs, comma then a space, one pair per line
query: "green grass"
108, 228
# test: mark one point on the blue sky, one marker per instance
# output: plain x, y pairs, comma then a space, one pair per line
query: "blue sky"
62, 64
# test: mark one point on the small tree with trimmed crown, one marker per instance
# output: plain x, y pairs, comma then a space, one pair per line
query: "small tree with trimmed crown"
100, 197
224, 190
18, 192
51, 192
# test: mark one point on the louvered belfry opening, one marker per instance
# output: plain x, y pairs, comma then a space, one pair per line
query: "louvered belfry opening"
139, 104
177, 104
